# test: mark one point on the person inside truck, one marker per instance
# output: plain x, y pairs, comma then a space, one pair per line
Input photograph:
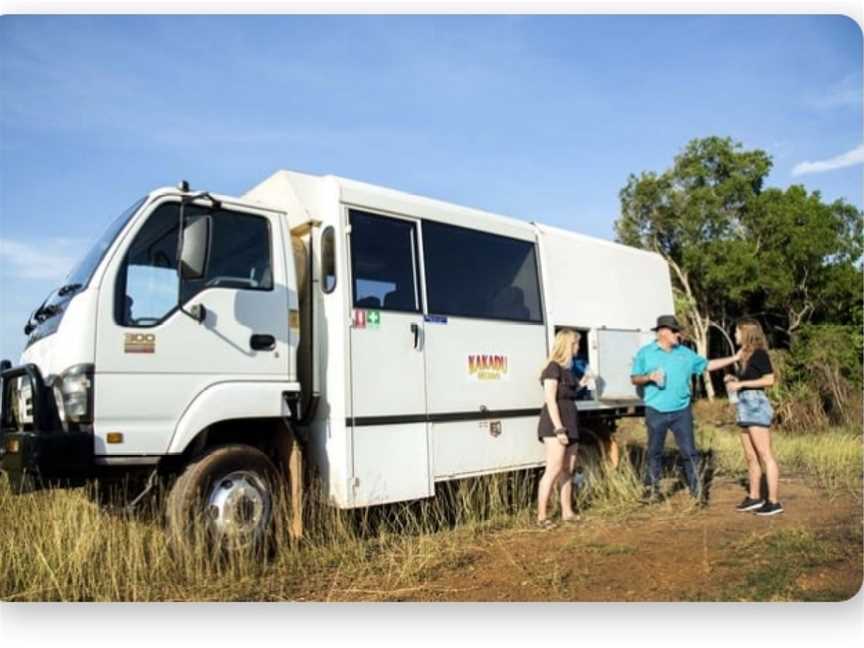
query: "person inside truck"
602, 431
580, 368
557, 429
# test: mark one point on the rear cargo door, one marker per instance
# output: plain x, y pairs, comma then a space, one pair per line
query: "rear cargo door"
615, 351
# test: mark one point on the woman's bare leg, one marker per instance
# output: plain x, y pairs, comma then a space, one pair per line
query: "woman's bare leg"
554, 460
754, 470
565, 479
761, 438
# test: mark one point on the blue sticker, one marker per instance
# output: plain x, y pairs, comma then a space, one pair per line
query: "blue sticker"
435, 319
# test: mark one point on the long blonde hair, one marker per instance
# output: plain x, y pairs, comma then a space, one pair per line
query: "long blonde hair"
752, 338
562, 347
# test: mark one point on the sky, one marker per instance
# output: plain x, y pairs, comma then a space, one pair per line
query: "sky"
541, 118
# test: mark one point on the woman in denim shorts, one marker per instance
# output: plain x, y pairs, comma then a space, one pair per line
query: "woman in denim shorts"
755, 416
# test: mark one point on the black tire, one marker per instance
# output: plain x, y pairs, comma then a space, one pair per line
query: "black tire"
196, 510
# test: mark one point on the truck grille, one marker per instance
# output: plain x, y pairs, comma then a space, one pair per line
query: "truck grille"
26, 404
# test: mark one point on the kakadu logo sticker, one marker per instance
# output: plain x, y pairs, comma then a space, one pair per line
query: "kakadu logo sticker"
488, 367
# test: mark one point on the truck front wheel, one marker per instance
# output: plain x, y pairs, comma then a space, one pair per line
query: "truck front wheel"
226, 498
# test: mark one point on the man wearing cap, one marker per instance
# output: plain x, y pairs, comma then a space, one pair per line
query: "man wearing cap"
663, 369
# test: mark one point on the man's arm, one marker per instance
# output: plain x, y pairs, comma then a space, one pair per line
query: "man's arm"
644, 379
719, 363
639, 374
699, 363
722, 363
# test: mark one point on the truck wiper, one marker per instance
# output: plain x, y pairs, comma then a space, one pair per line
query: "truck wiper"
46, 311
68, 288
30, 325
43, 312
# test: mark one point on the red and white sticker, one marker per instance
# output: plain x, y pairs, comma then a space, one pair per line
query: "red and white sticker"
359, 318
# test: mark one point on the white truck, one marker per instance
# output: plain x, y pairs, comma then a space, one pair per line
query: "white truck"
389, 341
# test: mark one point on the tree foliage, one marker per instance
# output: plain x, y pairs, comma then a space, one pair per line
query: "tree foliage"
805, 254
737, 248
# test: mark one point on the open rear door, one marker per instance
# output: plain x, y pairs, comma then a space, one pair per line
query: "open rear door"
615, 351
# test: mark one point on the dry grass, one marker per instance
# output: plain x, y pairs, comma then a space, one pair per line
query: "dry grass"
832, 459
60, 545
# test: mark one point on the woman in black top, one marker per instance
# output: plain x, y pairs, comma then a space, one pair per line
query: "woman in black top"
557, 428
755, 414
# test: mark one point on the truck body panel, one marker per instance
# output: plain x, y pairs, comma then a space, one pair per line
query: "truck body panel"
427, 327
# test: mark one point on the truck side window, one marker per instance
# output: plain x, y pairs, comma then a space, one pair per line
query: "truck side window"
383, 262
147, 283
470, 273
328, 260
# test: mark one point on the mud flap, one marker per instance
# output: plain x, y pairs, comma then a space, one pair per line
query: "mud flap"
289, 455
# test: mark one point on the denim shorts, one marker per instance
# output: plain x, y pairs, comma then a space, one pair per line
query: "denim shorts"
754, 408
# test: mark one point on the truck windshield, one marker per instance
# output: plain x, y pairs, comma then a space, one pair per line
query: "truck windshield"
82, 272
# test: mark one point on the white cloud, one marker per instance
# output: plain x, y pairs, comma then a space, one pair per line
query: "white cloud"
51, 259
845, 93
850, 158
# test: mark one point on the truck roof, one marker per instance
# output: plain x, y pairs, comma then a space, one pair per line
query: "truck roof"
363, 194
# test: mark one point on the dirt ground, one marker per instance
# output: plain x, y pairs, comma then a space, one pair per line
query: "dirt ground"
664, 552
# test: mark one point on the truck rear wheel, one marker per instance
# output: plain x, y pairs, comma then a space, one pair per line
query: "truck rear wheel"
227, 499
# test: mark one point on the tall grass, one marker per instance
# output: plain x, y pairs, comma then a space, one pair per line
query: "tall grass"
60, 545
832, 459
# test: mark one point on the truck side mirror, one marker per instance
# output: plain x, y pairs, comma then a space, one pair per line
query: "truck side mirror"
194, 248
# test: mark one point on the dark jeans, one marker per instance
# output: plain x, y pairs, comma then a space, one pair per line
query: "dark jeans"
681, 424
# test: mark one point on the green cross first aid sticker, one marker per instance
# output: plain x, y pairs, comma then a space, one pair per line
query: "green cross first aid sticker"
373, 318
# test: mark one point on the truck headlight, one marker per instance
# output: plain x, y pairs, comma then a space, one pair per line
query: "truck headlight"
73, 391
58, 401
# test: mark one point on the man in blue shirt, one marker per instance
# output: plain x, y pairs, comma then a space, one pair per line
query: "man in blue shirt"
663, 369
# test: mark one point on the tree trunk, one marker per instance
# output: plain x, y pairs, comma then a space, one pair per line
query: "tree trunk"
702, 349
700, 322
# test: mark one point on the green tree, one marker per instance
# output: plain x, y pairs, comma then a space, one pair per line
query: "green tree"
692, 214
804, 254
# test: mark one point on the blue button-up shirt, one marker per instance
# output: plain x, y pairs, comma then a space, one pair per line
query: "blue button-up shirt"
679, 364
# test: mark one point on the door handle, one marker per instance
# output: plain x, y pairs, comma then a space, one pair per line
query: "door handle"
415, 329
262, 342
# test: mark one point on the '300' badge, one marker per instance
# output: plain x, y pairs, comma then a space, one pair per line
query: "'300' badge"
140, 343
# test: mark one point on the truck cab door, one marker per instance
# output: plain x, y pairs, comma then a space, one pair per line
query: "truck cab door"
152, 359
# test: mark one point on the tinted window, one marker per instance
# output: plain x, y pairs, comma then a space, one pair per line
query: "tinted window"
383, 259
239, 253
147, 286
476, 274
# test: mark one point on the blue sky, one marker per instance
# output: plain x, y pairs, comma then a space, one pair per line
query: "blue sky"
541, 118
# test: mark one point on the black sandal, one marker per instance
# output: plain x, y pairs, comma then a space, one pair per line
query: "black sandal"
545, 525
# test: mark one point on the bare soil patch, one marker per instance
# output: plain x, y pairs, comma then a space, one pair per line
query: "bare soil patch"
669, 551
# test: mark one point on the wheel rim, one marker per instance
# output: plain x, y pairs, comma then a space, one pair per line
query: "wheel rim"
238, 508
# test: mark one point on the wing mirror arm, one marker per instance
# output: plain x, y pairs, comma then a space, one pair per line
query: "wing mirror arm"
193, 248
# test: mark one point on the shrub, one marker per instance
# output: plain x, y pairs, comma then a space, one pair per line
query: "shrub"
820, 378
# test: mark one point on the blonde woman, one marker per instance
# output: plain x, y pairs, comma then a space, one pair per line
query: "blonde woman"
754, 415
557, 429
